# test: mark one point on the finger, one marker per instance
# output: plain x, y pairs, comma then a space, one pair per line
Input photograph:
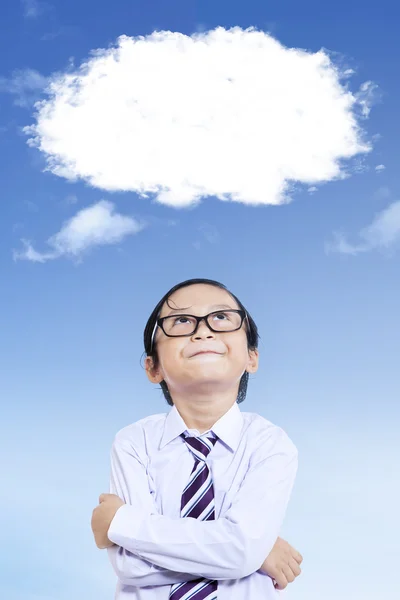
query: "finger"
296, 555
102, 497
280, 582
293, 564
288, 573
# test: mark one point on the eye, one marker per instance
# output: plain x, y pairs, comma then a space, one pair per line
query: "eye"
180, 320
221, 316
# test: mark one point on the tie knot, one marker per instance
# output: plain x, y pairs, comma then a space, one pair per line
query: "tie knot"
200, 446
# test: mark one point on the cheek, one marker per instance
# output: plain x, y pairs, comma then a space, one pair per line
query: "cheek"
168, 355
242, 356
237, 347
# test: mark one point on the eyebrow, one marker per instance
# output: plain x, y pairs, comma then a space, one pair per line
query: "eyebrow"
213, 307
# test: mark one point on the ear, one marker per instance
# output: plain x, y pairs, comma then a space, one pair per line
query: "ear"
252, 365
154, 374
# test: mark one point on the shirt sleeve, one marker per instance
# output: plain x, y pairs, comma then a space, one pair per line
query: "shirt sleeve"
128, 480
231, 547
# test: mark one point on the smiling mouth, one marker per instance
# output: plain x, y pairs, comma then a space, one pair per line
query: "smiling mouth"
205, 352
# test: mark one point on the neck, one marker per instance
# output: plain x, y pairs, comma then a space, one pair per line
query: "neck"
201, 411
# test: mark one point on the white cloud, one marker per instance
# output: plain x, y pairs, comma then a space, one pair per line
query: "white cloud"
382, 233
227, 113
26, 85
95, 225
380, 168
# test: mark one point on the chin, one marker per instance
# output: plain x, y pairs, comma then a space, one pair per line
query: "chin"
213, 378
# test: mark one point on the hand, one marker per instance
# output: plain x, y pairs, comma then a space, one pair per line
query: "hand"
102, 516
282, 564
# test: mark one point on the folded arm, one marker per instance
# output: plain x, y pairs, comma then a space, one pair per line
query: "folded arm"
129, 481
231, 547
138, 572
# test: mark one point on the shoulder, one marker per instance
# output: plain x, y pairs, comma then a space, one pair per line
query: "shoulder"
266, 437
136, 436
140, 428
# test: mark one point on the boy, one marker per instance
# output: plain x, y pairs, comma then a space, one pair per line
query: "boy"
198, 495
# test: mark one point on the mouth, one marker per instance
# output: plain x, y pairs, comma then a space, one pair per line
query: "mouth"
205, 352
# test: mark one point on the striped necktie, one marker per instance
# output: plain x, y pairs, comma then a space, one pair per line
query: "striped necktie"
198, 502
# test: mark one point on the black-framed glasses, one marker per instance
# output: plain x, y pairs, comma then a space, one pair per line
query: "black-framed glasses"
218, 321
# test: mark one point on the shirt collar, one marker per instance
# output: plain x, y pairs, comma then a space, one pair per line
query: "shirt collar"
227, 428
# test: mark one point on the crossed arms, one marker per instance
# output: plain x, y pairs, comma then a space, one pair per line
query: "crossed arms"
151, 549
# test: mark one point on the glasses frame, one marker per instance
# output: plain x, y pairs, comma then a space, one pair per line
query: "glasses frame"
160, 323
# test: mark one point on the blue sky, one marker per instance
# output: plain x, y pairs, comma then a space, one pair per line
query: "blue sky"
85, 256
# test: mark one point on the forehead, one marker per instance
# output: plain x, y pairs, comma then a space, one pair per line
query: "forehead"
199, 298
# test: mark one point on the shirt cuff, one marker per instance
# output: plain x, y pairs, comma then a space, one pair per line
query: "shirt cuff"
125, 526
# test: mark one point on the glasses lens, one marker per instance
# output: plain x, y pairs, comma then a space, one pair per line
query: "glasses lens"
179, 325
225, 320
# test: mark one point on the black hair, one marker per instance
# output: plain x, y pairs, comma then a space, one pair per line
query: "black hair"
251, 330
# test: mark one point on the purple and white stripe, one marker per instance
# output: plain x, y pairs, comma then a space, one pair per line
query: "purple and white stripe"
198, 502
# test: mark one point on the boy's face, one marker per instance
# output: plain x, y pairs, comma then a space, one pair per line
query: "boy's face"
205, 358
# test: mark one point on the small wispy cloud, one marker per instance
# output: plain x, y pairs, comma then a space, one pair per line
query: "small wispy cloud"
30, 8
209, 233
26, 85
33, 8
380, 168
95, 225
367, 96
232, 114
71, 199
60, 32
383, 233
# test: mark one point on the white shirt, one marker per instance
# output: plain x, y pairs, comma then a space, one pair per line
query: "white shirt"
253, 466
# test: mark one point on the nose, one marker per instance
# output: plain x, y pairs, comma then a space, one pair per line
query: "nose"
203, 332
